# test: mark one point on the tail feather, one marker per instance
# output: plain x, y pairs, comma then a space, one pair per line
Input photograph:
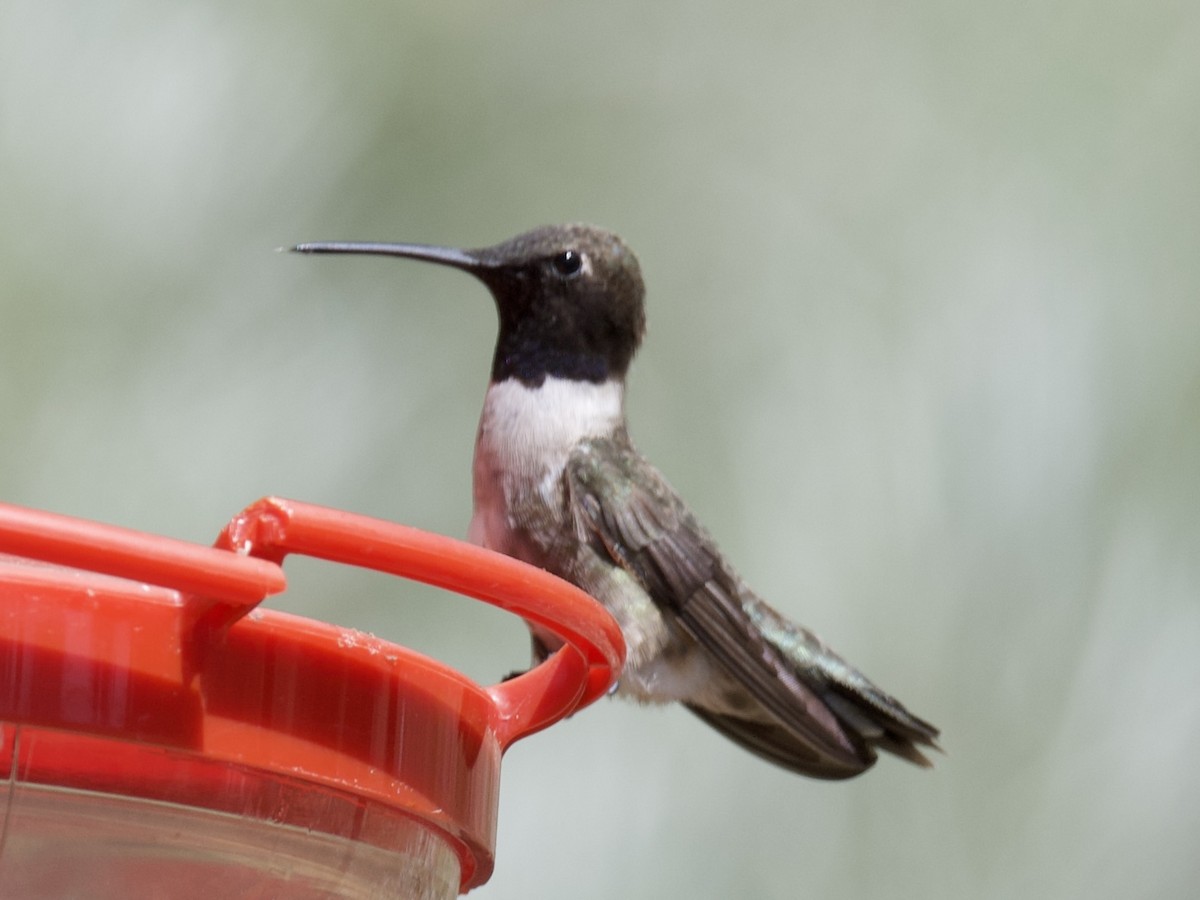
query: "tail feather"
881, 722
871, 719
782, 746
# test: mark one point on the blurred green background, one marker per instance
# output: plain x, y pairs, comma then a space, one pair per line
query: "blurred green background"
924, 299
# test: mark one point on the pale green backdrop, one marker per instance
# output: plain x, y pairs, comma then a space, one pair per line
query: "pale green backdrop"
923, 352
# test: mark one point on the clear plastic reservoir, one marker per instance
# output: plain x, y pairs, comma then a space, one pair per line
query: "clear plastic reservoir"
65, 843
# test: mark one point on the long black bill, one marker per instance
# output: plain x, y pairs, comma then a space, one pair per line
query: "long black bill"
446, 256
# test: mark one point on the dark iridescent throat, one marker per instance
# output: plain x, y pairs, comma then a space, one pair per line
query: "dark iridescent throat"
530, 364
530, 348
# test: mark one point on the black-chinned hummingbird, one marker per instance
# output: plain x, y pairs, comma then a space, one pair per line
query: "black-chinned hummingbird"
558, 483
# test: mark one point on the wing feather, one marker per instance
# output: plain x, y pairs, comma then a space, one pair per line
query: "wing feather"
624, 507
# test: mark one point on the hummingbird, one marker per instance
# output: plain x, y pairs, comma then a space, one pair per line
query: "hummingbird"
558, 483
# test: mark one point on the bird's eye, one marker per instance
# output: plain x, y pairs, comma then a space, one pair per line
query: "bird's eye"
568, 263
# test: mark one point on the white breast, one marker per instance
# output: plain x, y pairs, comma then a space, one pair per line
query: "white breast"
525, 436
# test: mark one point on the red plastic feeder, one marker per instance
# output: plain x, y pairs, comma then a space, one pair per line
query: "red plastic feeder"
164, 738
